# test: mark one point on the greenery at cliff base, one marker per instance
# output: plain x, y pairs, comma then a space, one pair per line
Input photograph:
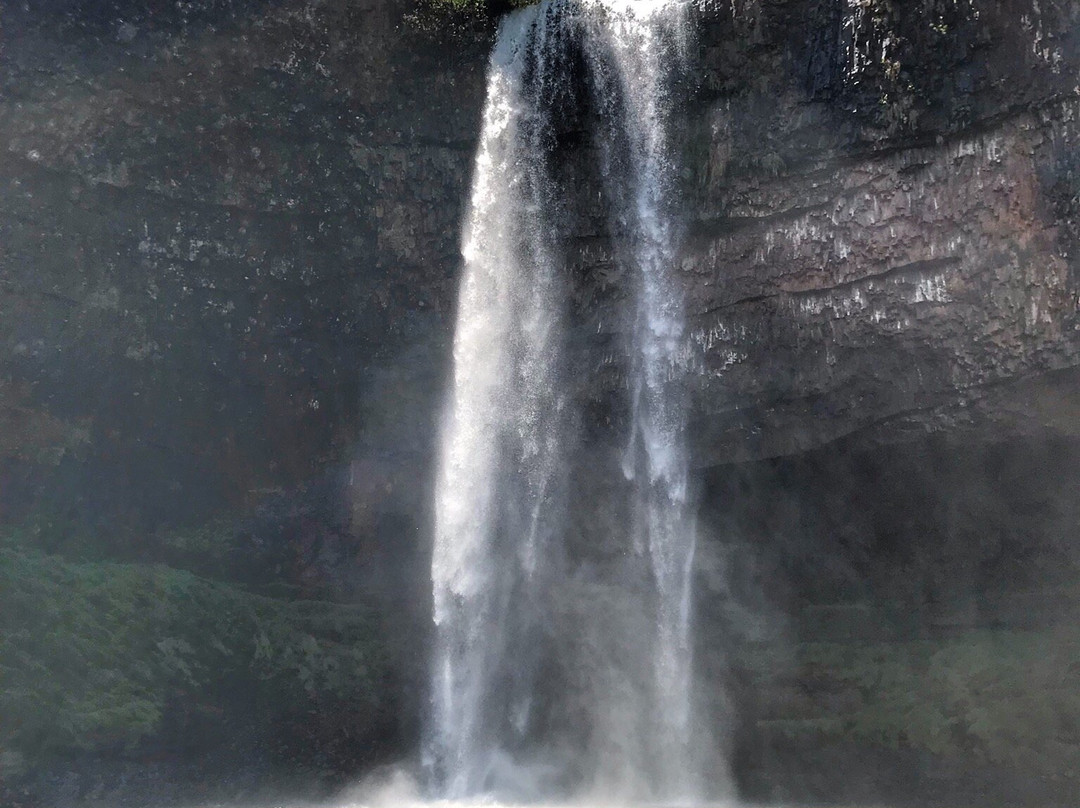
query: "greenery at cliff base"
94, 657
997, 697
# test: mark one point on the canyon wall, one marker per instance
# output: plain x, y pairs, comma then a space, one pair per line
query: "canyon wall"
228, 269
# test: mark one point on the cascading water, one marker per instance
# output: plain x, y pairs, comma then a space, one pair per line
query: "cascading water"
506, 438
646, 44
496, 497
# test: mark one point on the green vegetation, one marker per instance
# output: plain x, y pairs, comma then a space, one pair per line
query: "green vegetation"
1006, 698
96, 656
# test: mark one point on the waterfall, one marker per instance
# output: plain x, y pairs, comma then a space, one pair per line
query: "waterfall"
646, 43
508, 435
496, 497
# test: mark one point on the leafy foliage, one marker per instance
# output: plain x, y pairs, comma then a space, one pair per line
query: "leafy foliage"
93, 656
1006, 698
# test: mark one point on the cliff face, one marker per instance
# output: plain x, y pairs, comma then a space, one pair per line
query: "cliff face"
882, 340
228, 257
227, 265
880, 235
232, 235
883, 325
218, 225
903, 271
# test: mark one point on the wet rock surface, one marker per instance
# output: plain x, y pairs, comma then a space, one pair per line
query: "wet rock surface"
878, 245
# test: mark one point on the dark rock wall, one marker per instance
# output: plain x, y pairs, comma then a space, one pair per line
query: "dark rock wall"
879, 235
898, 624
884, 328
219, 229
228, 248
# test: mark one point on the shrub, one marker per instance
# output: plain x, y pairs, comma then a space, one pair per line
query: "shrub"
94, 655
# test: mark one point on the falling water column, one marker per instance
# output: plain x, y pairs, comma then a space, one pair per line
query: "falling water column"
497, 554
637, 51
501, 436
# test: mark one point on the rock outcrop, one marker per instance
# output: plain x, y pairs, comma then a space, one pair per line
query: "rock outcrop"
880, 231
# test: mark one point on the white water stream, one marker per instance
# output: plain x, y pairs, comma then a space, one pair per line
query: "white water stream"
508, 434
